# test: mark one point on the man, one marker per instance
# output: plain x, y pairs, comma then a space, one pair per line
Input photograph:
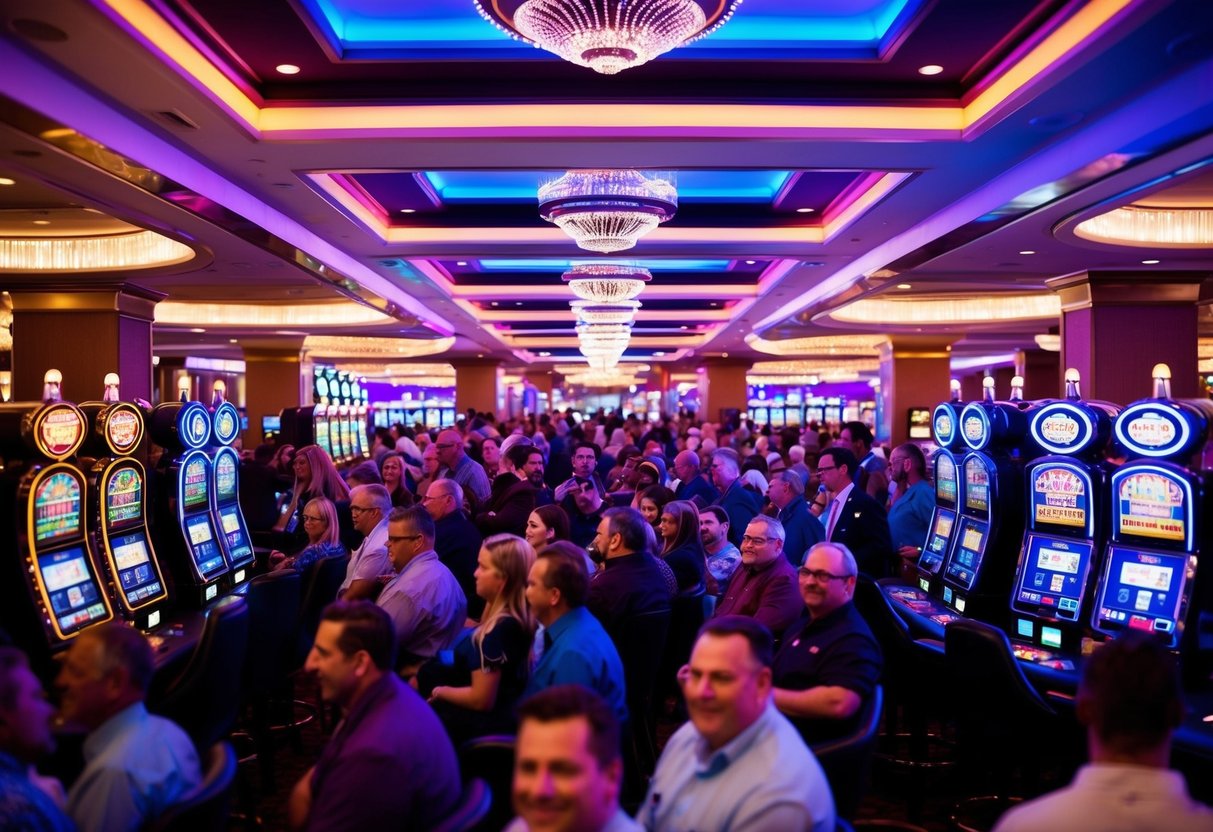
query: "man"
852, 517
389, 763
28, 801
533, 469
585, 464
764, 586
567, 765
801, 529
630, 582
871, 473
576, 648
586, 513
723, 557
738, 764
796, 458
829, 665
912, 504
691, 483
456, 539
741, 503
1130, 702
425, 602
513, 497
455, 464
136, 765
369, 507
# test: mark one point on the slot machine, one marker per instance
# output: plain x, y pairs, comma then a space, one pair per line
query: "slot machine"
51, 588
226, 515
343, 431
186, 529
118, 509
1066, 500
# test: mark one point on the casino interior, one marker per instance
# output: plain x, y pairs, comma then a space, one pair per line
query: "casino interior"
276, 219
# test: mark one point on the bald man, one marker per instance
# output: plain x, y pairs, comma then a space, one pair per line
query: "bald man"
455, 464
692, 485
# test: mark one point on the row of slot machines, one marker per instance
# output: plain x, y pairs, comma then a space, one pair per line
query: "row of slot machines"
93, 535
339, 430
1066, 522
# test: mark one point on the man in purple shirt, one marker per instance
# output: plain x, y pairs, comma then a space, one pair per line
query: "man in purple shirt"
764, 587
389, 764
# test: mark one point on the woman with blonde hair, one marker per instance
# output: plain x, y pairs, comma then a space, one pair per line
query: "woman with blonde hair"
488, 670
315, 476
323, 536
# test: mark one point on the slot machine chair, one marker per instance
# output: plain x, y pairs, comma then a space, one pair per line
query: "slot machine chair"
687, 614
491, 759
207, 807
474, 806
847, 760
641, 641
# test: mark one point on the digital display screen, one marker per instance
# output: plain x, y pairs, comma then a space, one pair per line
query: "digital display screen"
1152, 504
945, 478
347, 447
938, 541
136, 573
1141, 590
195, 484
72, 588
320, 427
1053, 577
203, 545
239, 549
970, 547
124, 497
225, 477
977, 485
57, 507
1060, 497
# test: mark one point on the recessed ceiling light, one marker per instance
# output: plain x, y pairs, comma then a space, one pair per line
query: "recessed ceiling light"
684, 326
287, 69
197, 329
233, 340
408, 210
805, 210
461, 262
905, 285
518, 303
4, 180
1027, 251
1150, 262
658, 354
930, 69
750, 262
544, 354
495, 303
42, 222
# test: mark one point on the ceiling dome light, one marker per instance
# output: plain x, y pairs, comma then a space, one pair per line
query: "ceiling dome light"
608, 210
1134, 225
607, 282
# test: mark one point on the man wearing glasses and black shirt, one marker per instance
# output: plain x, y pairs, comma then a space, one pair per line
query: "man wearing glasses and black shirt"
829, 664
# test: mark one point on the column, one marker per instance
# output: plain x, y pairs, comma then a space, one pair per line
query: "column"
1041, 371
478, 385
1115, 326
659, 380
275, 377
722, 388
915, 372
84, 332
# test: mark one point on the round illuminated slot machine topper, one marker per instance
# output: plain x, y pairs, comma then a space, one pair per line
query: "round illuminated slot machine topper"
122, 426
226, 423
57, 430
194, 425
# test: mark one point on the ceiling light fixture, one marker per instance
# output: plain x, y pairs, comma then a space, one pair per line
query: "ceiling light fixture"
804, 210
4, 180
606, 282
1134, 225
1150, 262
608, 210
287, 69
930, 69
607, 35
605, 313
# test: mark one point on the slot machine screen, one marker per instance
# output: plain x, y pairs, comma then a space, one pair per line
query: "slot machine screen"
203, 544
1053, 577
320, 428
347, 444
777, 417
136, 574
238, 546
940, 537
967, 552
72, 589
1059, 497
57, 508
432, 418
195, 489
225, 478
1152, 503
1141, 590
977, 486
945, 479
448, 418
123, 497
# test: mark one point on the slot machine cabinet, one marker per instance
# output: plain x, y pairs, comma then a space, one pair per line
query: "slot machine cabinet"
186, 531
226, 515
51, 588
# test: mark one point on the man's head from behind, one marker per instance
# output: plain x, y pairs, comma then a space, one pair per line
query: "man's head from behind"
107, 669
727, 682
442, 498
25, 713
567, 767
355, 644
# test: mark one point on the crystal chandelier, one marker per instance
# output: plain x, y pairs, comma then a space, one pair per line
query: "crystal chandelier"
606, 282
607, 35
604, 342
605, 313
607, 210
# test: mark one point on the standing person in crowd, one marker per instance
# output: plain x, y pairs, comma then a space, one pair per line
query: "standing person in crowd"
723, 557
258, 484
585, 465
682, 546
429, 470
315, 476
320, 523
630, 582
651, 502
479, 689
852, 517
456, 539
490, 454
458, 466
871, 475
764, 587
692, 485
391, 467
802, 529
388, 764
796, 458
740, 503
136, 766
369, 506
382, 442
738, 764
588, 507
546, 524
912, 504
513, 495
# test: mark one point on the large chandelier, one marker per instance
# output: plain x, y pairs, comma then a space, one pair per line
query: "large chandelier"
607, 35
604, 342
607, 210
605, 313
606, 282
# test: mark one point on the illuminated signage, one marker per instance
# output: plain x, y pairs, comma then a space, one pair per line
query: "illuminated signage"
1062, 428
1153, 430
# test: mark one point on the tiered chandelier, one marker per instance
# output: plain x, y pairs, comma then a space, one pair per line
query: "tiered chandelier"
607, 282
608, 210
607, 35
605, 309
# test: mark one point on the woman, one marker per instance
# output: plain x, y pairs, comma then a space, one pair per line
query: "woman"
546, 524
490, 453
392, 469
323, 538
651, 501
315, 476
683, 549
490, 664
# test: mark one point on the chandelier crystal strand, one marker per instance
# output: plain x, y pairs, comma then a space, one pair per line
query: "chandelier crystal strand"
608, 210
606, 282
605, 313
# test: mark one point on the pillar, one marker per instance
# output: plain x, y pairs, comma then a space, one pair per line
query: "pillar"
659, 380
722, 388
84, 332
1041, 371
1115, 326
478, 385
275, 377
542, 380
915, 373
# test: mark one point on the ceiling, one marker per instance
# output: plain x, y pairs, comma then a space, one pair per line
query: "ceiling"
826, 186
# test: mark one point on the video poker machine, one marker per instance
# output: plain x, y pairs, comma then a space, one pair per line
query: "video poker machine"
226, 515
187, 530
945, 424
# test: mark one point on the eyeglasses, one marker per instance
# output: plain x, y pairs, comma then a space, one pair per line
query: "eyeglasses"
754, 541
397, 539
356, 510
584, 458
820, 575
311, 518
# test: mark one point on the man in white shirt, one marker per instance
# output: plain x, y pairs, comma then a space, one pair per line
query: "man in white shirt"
369, 508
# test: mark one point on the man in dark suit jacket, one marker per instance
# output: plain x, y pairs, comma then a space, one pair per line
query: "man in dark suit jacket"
456, 539
740, 503
801, 529
852, 517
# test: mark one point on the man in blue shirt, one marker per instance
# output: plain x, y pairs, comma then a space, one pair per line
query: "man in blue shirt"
912, 504
801, 529
576, 649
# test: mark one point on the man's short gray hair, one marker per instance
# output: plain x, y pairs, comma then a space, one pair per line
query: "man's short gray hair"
771, 527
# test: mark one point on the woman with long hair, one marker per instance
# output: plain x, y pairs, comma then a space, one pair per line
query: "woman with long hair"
546, 524
391, 467
315, 476
323, 538
490, 664
651, 501
683, 548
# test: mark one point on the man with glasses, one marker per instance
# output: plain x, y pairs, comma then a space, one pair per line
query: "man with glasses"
852, 518
829, 665
456, 538
455, 464
741, 503
369, 507
801, 529
764, 586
